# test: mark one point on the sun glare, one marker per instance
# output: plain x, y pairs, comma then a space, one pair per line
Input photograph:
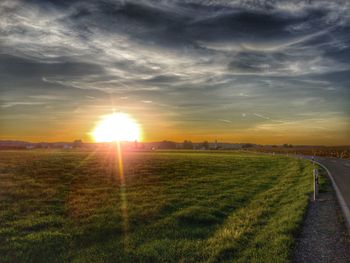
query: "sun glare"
116, 127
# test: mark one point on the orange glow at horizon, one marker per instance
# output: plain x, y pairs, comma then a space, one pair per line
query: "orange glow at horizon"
116, 127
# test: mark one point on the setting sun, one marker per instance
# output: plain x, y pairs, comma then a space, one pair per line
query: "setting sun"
116, 127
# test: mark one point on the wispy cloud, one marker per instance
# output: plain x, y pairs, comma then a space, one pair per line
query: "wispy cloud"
262, 116
44, 97
20, 103
223, 120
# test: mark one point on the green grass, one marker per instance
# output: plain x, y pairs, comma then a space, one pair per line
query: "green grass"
58, 206
324, 183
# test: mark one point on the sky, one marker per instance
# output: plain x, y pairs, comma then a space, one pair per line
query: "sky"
259, 71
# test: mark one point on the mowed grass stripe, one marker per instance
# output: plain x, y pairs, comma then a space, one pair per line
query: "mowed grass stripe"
62, 206
254, 233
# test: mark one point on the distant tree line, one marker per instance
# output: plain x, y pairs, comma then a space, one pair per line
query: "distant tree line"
186, 144
167, 145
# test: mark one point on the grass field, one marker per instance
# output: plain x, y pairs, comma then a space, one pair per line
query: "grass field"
70, 206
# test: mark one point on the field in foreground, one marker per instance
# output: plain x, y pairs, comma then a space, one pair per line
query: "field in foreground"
58, 206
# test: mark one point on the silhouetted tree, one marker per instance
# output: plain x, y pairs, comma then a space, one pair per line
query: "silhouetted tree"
205, 145
167, 145
187, 144
77, 143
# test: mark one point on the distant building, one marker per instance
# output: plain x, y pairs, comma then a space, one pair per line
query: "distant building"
66, 146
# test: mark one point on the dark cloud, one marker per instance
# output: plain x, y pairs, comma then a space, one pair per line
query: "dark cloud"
257, 62
16, 66
165, 78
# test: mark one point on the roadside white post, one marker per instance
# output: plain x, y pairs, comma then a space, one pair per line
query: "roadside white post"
315, 184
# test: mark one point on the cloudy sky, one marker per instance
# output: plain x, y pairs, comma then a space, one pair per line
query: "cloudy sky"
242, 71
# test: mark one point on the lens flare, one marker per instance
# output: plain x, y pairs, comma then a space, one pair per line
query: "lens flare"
123, 198
117, 128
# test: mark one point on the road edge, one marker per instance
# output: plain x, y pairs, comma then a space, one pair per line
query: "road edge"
344, 207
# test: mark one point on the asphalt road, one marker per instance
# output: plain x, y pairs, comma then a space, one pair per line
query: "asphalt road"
340, 171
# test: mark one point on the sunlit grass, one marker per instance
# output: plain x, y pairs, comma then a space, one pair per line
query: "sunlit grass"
61, 206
